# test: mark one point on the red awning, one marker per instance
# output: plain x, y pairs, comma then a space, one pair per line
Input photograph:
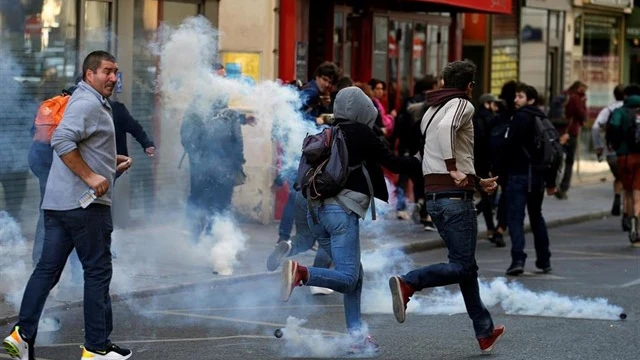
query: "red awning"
490, 6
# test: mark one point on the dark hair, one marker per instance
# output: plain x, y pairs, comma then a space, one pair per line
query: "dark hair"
425, 84
618, 92
508, 95
632, 89
344, 82
217, 66
374, 82
576, 84
529, 91
458, 74
94, 60
329, 70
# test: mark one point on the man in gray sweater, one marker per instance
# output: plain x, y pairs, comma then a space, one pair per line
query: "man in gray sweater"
77, 213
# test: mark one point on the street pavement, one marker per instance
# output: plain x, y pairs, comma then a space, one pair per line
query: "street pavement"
237, 319
160, 258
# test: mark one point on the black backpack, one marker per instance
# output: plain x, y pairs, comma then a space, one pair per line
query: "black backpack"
324, 167
556, 110
547, 151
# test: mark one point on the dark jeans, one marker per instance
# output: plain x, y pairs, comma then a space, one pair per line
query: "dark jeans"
209, 196
40, 159
288, 216
570, 150
519, 198
502, 205
304, 238
89, 232
457, 224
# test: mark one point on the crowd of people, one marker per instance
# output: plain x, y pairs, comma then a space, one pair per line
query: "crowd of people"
454, 160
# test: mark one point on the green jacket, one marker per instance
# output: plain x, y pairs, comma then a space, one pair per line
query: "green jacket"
621, 121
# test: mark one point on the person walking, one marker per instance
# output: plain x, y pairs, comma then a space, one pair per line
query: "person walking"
450, 183
85, 160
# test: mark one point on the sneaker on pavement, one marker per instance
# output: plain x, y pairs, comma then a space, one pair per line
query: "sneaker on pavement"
17, 346
365, 346
486, 344
316, 290
516, 268
281, 250
403, 215
429, 226
401, 293
293, 274
615, 209
544, 267
498, 239
113, 352
626, 223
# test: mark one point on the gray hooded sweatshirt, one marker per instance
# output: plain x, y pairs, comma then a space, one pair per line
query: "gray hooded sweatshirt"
352, 104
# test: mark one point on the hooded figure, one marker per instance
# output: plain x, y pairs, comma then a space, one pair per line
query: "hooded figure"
337, 229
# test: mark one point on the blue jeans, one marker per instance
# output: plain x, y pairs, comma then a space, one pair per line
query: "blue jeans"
89, 232
457, 224
520, 197
304, 238
338, 233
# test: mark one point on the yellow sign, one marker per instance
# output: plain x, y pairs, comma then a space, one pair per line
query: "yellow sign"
248, 62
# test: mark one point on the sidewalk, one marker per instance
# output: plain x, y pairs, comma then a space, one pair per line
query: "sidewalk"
160, 259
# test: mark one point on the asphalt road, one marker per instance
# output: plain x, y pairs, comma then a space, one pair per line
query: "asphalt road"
590, 260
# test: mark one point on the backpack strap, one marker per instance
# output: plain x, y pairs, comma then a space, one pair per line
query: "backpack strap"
370, 185
424, 133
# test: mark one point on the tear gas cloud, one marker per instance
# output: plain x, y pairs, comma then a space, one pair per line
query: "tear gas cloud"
14, 272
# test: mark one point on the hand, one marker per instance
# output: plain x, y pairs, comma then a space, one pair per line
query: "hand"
552, 191
564, 138
123, 163
251, 120
320, 120
459, 178
489, 185
150, 151
98, 183
393, 113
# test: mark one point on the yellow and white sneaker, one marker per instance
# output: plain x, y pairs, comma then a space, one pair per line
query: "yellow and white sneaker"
17, 347
113, 352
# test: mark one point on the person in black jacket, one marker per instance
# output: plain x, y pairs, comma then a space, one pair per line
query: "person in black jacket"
526, 184
337, 227
125, 123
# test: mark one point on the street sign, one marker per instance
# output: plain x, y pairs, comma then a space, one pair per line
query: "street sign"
119, 83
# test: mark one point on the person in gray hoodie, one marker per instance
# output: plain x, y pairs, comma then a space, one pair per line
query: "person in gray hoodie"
337, 229
77, 214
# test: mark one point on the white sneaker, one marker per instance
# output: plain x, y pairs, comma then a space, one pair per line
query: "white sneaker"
316, 290
112, 353
403, 215
16, 346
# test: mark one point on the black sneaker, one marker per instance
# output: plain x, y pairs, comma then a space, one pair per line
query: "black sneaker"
516, 268
113, 352
544, 267
615, 209
626, 223
281, 250
429, 226
498, 239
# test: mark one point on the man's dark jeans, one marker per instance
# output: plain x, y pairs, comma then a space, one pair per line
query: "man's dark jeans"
570, 150
520, 197
457, 224
288, 216
89, 232
210, 195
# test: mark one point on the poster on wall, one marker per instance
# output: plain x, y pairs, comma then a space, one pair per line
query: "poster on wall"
504, 63
242, 64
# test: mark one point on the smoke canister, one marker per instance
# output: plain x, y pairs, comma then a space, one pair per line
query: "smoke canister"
278, 333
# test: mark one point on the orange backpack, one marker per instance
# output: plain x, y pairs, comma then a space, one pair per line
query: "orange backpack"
49, 116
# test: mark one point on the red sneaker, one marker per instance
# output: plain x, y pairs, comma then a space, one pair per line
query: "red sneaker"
400, 294
293, 275
486, 344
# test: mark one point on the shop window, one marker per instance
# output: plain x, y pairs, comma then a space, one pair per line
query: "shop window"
419, 50
599, 66
380, 45
343, 42
533, 48
38, 48
97, 26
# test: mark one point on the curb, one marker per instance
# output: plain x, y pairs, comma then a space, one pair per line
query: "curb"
415, 247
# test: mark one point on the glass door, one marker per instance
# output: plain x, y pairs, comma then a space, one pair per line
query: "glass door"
98, 30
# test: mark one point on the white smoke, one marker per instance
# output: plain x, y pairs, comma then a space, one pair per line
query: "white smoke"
14, 272
228, 241
313, 343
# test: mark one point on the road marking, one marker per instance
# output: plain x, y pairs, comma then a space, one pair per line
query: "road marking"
631, 283
537, 275
255, 307
151, 341
591, 254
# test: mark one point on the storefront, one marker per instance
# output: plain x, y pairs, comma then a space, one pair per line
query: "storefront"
542, 33
632, 48
598, 48
504, 48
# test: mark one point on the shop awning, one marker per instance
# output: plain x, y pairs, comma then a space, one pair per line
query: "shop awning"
489, 6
